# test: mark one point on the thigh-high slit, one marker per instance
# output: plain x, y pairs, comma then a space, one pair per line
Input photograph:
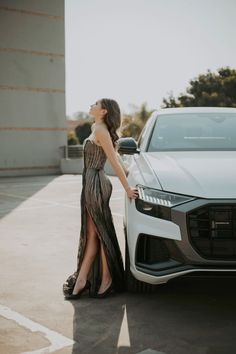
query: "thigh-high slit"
95, 198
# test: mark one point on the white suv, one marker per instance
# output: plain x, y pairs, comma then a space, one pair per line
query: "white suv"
184, 220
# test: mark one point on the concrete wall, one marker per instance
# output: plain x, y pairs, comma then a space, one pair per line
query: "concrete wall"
32, 86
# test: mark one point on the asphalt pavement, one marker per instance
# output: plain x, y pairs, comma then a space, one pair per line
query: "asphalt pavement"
39, 233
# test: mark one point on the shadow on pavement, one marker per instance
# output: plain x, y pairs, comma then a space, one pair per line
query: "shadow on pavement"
188, 315
17, 190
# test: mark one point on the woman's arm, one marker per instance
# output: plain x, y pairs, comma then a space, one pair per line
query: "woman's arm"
122, 164
103, 136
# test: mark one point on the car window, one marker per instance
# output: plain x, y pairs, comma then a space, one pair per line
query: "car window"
195, 131
145, 134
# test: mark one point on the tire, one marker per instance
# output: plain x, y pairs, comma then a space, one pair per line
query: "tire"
132, 284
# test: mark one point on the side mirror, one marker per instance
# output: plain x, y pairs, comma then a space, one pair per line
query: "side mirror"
127, 146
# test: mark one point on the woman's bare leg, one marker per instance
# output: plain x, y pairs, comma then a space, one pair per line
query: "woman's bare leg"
90, 252
106, 276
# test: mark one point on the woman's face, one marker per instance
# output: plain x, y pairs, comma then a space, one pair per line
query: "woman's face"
96, 110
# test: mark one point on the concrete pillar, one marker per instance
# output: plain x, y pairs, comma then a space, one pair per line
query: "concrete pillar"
32, 86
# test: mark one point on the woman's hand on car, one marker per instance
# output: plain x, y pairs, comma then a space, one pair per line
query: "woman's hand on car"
132, 193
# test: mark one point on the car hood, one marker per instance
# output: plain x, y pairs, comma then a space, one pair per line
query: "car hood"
206, 174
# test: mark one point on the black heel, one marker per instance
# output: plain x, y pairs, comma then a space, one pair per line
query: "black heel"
107, 292
77, 296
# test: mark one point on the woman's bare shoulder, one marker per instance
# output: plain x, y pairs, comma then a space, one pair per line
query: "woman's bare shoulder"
102, 134
100, 128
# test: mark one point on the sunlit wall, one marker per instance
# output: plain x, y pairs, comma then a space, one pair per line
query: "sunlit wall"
32, 86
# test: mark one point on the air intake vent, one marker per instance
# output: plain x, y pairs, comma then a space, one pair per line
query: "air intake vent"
151, 250
212, 231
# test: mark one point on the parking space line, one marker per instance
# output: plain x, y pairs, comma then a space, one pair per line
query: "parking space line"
118, 190
38, 200
24, 184
124, 338
57, 341
117, 214
45, 184
3, 211
47, 201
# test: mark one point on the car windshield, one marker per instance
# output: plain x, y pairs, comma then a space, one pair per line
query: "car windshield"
194, 131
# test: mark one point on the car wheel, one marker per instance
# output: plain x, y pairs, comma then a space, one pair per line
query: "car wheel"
132, 284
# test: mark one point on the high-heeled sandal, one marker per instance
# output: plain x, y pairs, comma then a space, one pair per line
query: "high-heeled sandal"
78, 295
105, 293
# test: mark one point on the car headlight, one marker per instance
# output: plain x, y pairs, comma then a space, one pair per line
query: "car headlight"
158, 203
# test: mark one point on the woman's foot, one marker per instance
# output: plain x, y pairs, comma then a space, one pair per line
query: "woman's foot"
80, 287
105, 289
80, 283
105, 284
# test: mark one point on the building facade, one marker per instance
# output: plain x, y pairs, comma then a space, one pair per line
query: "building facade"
32, 86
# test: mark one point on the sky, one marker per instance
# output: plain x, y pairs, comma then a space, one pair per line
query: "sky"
137, 51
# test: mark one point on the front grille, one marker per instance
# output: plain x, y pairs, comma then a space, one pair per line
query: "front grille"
212, 231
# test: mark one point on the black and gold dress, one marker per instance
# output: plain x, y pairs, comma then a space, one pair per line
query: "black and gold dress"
95, 197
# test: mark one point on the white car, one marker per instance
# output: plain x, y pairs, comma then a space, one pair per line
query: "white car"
184, 221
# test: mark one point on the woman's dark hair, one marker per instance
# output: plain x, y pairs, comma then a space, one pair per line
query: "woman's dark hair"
112, 118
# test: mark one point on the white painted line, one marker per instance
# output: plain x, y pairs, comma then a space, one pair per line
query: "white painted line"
57, 340
23, 184
124, 338
39, 200
48, 201
2, 211
75, 202
117, 214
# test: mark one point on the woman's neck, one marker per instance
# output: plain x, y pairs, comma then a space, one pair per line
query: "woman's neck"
99, 122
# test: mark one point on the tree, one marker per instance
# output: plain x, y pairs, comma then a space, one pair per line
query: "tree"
71, 138
143, 114
207, 90
133, 123
131, 129
83, 125
83, 131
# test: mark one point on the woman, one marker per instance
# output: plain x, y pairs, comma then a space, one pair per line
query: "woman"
100, 267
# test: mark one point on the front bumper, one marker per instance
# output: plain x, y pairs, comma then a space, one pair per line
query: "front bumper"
199, 237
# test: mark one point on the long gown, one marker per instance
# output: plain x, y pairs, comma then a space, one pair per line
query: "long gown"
95, 197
